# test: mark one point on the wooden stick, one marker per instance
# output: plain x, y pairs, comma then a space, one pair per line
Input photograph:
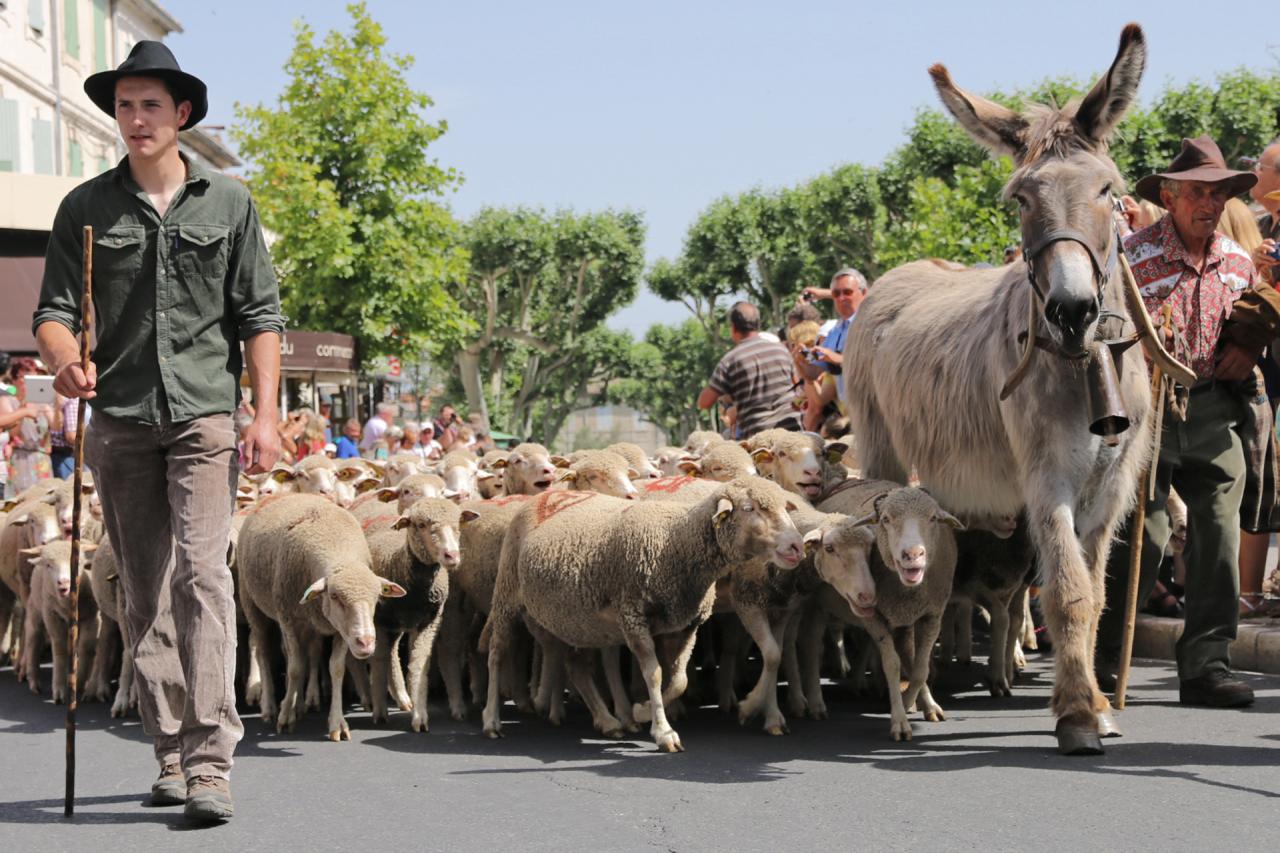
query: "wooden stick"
73, 629
1136, 533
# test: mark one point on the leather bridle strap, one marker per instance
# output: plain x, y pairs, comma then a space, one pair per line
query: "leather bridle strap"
1100, 273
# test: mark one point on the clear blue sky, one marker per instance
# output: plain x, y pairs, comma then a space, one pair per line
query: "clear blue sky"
661, 107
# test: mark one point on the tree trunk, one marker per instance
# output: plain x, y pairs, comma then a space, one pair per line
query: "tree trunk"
469, 368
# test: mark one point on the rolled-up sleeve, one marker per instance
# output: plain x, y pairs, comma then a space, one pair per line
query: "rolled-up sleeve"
62, 285
255, 294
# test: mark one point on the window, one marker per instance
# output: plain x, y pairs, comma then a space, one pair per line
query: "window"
71, 28
35, 15
75, 159
103, 164
8, 135
42, 139
100, 58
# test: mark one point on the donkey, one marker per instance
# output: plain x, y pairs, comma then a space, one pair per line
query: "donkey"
931, 348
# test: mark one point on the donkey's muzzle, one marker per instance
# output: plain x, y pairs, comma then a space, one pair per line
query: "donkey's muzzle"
1107, 415
1072, 316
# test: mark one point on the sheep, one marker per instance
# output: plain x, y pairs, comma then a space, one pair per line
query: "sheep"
699, 440
28, 524
595, 571
913, 565
401, 466
311, 475
417, 553
800, 462
48, 611
993, 570
109, 596
488, 478
602, 471
304, 563
354, 478
460, 468
529, 469
637, 459
668, 459
721, 462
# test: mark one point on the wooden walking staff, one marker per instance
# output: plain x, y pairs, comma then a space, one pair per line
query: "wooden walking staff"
1145, 488
73, 630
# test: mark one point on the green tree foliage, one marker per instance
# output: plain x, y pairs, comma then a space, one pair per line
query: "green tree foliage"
667, 371
539, 284
341, 176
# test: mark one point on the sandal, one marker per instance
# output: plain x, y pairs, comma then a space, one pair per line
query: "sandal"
1249, 604
1163, 603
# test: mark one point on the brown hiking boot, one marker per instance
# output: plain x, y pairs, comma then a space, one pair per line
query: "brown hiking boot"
171, 788
1217, 688
208, 800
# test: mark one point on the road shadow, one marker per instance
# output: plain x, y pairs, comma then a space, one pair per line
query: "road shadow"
49, 811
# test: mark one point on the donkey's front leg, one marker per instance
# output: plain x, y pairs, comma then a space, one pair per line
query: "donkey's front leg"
1071, 609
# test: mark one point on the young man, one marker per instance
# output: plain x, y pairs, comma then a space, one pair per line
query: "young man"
181, 276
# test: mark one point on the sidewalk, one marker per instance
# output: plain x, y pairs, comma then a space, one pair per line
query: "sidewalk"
1256, 649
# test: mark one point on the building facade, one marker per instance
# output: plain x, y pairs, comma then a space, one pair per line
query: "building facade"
52, 136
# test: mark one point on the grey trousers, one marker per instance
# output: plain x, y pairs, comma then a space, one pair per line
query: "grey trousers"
167, 493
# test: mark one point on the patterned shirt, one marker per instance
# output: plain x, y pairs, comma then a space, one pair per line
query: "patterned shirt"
1200, 302
757, 375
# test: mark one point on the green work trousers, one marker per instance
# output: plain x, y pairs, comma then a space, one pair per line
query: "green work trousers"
1203, 459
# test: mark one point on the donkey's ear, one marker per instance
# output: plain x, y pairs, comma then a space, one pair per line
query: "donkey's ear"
992, 126
1104, 106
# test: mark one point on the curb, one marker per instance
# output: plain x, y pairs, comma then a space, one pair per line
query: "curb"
1256, 647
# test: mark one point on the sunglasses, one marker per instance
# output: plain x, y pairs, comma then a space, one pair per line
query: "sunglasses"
843, 292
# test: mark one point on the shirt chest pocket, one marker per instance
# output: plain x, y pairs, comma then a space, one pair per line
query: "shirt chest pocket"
200, 253
118, 252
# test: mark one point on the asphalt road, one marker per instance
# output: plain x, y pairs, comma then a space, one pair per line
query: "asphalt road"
987, 778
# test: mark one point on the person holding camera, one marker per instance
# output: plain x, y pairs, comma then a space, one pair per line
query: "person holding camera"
848, 289
446, 427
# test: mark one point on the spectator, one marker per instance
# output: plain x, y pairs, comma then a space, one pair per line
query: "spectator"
62, 438
313, 438
29, 460
755, 375
848, 289
818, 394
326, 415
1267, 168
376, 426
430, 447
1222, 319
446, 427
804, 312
331, 450
347, 442
12, 413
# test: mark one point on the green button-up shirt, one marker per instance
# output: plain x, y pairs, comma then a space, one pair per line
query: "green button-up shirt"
173, 295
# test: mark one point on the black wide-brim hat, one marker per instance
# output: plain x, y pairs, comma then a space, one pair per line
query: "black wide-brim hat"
150, 59
1199, 160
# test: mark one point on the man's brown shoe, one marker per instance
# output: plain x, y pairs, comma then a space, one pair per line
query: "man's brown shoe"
1217, 688
170, 789
208, 800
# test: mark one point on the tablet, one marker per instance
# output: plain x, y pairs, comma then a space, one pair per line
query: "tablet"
40, 390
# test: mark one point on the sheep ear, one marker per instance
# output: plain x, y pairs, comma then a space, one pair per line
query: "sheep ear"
484, 474
86, 488
763, 454
88, 547
468, 516
722, 510
812, 540
314, 591
30, 552
569, 476
367, 485
633, 474
113, 577
792, 506
282, 475
745, 444
387, 494
691, 468
9, 504
947, 518
379, 468
498, 464
870, 518
560, 462
348, 474
401, 523
391, 589
836, 451
51, 498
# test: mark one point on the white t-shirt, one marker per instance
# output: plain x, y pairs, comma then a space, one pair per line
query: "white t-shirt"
374, 429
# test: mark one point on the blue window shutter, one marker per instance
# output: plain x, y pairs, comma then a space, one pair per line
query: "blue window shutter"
8, 135
75, 160
35, 15
99, 35
103, 165
42, 137
71, 28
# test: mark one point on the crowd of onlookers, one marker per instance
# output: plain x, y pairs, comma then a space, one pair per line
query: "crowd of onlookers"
36, 440
308, 431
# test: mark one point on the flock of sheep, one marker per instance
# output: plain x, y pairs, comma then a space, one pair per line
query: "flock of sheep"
521, 573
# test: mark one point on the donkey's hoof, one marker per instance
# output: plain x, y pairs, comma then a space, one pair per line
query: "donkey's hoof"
1077, 739
1107, 725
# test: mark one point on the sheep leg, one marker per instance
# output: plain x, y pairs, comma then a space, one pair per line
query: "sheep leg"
18, 650
1028, 621
253, 678
419, 670
295, 663
378, 681
926, 634
611, 659
899, 726
764, 696
964, 632
791, 662
727, 670
8, 629
677, 679
581, 664
549, 699
258, 632
499, 629
338, 729
812, 630
58, 642
124, 692
997, 675
640, 641
32, 649
947, 637
87, 647
1015, 661
449, 659
401, 692
98, 687
315, 651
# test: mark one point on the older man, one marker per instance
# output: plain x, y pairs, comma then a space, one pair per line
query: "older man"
1266, 192
755, 374
1221, 317
848, 289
